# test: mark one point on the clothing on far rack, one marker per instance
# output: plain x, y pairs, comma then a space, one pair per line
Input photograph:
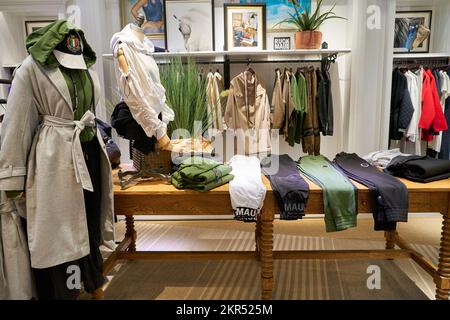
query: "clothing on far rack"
432, 119
445, 145
389, 196
247, 190
247, 113
214, 87
339, 194
442, 83
289, 188
311, 131
402, 108
278, 110
381, 159
325, 102
288, 100
420, 169
300, 104
201, 174
437, 79
412, 132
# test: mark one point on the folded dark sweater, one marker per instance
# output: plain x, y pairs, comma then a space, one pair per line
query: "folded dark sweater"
419, 168
289, 188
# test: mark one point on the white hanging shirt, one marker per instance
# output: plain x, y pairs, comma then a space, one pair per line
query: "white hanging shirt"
412, 132
247, 191
141, 87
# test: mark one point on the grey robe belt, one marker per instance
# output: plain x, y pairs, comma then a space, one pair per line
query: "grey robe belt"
79, 165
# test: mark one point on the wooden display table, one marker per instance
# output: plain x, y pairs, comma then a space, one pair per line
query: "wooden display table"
158, 198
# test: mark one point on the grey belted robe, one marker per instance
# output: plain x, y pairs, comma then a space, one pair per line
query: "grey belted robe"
40, 154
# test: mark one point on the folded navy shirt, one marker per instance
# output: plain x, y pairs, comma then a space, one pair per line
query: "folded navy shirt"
419, 168
289, 188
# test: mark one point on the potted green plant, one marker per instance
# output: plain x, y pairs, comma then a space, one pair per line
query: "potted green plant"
186, 95
307, 23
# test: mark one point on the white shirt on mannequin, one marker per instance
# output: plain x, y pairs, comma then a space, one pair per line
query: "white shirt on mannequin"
141, 86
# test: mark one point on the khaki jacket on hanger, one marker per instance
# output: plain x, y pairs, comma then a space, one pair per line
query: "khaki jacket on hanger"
248, 113
278, 103
40, 154
213, 89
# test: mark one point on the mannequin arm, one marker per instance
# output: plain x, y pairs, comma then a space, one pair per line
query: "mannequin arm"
123, 64
164, 143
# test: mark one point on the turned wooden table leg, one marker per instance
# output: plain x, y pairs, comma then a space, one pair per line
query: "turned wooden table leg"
131, 233
442, 278
266, 252
98, 294
390, 239
258, 237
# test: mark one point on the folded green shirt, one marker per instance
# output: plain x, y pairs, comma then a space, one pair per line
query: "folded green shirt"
339, 194
179, 183
201, 174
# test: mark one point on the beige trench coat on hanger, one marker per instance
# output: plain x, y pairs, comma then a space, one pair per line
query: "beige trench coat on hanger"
41, 153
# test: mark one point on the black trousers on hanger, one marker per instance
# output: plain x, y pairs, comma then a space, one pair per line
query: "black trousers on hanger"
51, 283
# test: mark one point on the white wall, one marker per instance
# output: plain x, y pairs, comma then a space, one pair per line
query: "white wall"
441, 23
371, 69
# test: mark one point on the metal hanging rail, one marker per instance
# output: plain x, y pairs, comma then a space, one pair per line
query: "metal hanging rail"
227, 58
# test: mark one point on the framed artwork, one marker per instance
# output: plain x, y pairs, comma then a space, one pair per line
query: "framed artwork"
412, 31
153, 12
277, 11
189, 25
31, 26
282, 43
245, 27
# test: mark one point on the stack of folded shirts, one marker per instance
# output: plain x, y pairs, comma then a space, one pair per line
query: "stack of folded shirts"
419, 168
201, 174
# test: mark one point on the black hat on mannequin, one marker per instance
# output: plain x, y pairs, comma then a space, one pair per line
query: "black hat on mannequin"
69, 52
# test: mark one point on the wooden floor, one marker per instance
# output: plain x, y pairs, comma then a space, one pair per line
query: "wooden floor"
167, 280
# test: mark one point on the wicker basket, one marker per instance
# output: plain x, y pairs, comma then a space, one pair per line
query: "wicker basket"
159, 161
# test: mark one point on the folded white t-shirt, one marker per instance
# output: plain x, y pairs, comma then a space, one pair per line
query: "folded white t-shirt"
247, 191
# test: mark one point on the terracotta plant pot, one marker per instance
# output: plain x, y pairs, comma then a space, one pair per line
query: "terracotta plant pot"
308, 39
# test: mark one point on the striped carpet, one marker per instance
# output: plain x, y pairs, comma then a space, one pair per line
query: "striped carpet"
296, 279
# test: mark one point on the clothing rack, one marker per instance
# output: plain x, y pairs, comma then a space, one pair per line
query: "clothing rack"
227, 62
417, 62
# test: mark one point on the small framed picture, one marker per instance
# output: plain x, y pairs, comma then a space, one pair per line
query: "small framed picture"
282, 43
412, 31
31, 26
245, 27
189, 25
154, 25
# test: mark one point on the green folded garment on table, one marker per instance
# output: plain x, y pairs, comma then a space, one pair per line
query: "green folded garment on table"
339, 194
201, 174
